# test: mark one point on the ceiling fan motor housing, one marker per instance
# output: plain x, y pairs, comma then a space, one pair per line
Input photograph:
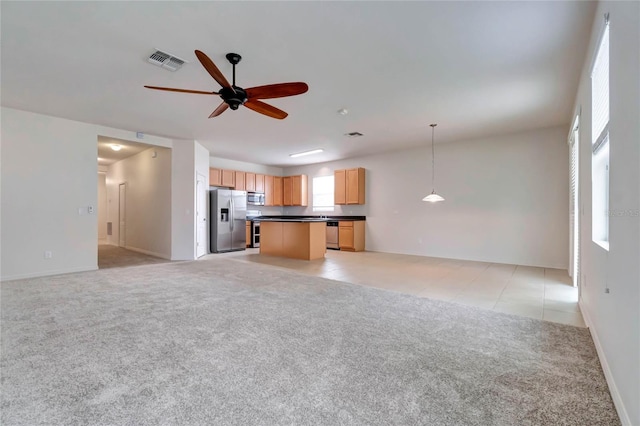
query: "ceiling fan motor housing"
233, 99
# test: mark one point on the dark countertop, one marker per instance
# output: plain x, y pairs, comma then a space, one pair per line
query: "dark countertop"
321, 218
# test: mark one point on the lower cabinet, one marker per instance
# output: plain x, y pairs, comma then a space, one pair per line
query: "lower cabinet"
351, 235
248, 233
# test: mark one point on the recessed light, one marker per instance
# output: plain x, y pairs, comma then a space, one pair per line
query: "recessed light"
116, 147
343, 111
300, 154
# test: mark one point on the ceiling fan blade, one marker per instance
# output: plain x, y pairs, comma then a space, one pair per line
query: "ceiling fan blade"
265, 109
213, 70
170, 89
221, 108
277, 90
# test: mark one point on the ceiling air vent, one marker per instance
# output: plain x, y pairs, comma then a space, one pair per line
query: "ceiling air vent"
165, 60
353, 134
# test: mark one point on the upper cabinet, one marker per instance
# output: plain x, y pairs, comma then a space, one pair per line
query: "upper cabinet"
259, 183
240, 181
228, 178
349, 186
221, 177
250, 182
277, 191
215, 177
268, 190
294, 190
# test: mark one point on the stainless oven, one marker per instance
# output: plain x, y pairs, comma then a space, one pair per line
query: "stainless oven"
255, 233
254, 240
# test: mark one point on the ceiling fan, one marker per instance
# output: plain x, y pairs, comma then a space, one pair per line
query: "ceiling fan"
233, 96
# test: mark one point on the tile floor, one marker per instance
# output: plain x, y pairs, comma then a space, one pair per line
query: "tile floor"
540, 293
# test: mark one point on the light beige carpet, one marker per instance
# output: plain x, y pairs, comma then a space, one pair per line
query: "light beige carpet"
226, 342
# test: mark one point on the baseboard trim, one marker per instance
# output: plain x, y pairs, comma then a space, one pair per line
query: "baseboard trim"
149, 252
48, 273
615, 395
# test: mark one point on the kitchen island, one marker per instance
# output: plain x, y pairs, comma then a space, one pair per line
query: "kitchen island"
298, 238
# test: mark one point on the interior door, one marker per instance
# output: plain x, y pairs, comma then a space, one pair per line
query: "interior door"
122, 217
201, 216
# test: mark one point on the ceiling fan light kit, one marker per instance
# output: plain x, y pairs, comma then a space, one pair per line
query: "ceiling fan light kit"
234, 96
433, 197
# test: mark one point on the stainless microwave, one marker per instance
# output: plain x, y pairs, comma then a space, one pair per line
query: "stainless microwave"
255, 199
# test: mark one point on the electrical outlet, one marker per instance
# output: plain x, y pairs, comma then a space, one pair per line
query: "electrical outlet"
48, 254
606, 291
90, 209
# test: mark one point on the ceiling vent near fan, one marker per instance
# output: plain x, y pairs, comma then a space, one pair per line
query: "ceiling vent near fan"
166, 60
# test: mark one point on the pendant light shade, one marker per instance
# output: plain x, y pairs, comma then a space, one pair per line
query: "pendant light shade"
433, 197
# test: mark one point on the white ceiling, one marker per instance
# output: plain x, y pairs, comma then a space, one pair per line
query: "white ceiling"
107, 156
475, 68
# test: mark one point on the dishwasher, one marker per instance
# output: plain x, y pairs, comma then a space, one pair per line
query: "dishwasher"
332, 235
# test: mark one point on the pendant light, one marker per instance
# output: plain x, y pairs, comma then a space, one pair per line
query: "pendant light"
433, 197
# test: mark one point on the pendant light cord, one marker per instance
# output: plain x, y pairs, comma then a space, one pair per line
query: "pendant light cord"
433, 158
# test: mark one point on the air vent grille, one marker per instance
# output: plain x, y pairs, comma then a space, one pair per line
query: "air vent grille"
166, 60
353, 134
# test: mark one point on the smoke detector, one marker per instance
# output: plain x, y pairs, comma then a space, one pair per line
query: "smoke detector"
166, 60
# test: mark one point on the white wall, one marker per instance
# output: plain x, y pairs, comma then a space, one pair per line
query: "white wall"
189, 159
223, 163
506, 199
614, 318
49, 172
102, 207
148, 201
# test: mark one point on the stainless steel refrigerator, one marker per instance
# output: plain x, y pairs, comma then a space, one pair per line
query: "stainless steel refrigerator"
228, 212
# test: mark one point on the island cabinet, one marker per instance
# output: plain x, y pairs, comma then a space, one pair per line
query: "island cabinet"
260, 183
239, 180
298, 240
351, 235
349, 186
294, 190
250, 182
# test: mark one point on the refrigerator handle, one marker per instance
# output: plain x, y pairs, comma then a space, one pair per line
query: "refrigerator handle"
231, 218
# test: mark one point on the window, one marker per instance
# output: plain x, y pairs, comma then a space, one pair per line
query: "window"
600, 142
323, 194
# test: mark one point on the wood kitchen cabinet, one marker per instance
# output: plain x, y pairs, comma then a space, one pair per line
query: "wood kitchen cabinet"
260, 183
294, 190
268, 190
351, 235
240, 181
228, 178
349, 186
250, 182
248, 233
215, 177
277, 191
